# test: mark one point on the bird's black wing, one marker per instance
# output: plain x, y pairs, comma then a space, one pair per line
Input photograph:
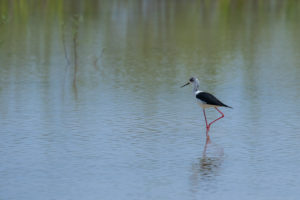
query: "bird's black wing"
210, 99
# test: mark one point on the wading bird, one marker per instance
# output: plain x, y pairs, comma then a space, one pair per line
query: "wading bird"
206, 100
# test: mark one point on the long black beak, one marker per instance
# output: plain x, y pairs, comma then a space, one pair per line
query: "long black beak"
185, 84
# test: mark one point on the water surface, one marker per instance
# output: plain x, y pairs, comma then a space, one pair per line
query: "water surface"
91, 105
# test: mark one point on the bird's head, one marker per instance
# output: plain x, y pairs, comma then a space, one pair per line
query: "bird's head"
192, 80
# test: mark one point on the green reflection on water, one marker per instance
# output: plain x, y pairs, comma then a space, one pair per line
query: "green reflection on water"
155, 39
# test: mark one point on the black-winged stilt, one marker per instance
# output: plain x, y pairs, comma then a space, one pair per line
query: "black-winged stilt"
206, 100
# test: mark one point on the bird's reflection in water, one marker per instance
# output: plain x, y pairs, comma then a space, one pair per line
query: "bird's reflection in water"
207, 168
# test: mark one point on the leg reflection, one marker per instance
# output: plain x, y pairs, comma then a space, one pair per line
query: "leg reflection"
208, 141
205, 169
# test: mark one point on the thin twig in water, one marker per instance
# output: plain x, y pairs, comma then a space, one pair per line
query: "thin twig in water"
75, 58
75, 39
64, 44
97, 58
67, 67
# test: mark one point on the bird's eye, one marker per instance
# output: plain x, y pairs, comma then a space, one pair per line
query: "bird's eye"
191, 79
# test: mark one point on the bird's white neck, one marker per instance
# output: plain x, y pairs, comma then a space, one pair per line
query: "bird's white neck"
196, 86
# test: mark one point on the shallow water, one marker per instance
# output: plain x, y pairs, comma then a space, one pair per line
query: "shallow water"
91, 105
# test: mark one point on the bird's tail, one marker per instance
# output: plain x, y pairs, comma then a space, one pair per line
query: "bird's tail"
227, 106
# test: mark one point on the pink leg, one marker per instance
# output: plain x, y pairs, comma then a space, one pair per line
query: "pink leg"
207, 127
207, 135
216, 119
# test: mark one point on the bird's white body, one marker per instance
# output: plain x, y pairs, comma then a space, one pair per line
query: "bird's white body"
205, 105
